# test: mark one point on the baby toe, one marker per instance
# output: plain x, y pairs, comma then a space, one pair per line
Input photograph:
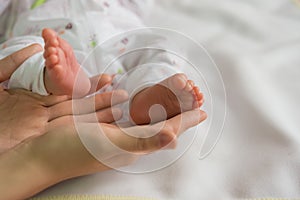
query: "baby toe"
189, 86
51, 60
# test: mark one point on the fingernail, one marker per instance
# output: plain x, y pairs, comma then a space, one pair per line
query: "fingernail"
203, 115
117, 113
165, 139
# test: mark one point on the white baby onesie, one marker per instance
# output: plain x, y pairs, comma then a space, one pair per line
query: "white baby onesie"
86, 25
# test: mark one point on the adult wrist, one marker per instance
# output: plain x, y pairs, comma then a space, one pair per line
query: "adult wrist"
21, 176
61, 155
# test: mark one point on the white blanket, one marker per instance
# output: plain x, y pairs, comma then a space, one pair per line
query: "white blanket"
256, 45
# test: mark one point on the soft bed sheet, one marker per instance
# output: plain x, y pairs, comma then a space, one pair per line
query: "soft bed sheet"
256, 46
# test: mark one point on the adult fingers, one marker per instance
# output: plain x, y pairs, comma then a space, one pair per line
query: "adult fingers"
10, 63
87, 105
146, 139
182, 122
107, 115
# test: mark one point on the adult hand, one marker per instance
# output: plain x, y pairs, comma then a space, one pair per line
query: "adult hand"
51, 149
24, 114
60, 154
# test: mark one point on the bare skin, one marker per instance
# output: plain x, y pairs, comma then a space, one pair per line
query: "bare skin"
175, 94
44, 146
59, 154
62, 69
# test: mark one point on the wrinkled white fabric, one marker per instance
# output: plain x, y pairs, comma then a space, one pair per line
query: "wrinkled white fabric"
256, 45
85, 25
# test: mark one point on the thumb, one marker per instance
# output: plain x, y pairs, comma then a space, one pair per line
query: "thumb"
149, 138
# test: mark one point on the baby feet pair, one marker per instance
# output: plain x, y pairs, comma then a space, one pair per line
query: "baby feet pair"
174, 95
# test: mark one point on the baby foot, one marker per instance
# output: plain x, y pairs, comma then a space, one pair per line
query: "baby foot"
175, 94
62, 68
